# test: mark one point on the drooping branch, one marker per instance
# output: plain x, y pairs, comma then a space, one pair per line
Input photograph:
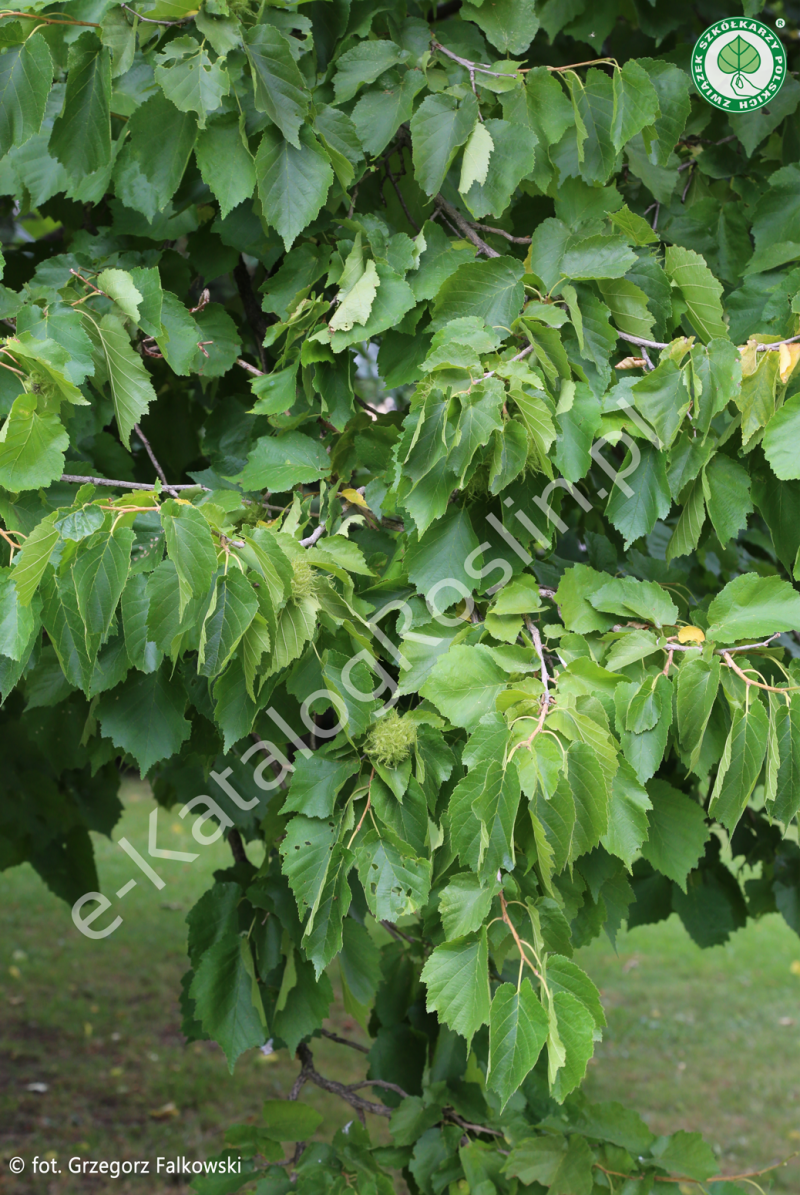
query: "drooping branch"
344, 1041
237, 846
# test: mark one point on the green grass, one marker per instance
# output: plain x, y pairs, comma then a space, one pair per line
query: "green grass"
99, 1023
706, 1040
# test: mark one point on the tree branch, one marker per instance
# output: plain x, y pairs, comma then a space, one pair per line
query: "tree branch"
344, 1041
153, 458
77, 479
501, 232
309, 1074
237, 846
463, 225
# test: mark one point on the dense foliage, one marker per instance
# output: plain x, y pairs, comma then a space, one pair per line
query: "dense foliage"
399, 467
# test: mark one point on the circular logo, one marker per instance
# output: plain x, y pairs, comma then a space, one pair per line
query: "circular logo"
738, 65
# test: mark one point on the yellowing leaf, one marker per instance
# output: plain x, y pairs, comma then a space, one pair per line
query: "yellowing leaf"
356, 304
475, 163
354, 498
789, 356
691, 635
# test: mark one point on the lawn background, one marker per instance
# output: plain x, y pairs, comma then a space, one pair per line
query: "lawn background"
702, 1040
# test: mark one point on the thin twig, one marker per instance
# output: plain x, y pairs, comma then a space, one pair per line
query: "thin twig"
545, 700
153, 458
517, 940
311, 539
259, 373
366, 406
151, 20
366, 807
344, 1041
310, 1075
501, 232
391, 928
396, 186
728, 658
30, 16
518, 357
659, 344
718, 1178
78, 479
465, 227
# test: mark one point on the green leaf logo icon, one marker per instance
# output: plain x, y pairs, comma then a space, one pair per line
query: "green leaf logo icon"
739, 58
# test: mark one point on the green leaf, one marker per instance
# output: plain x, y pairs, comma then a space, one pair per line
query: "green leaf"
438, 127
741, 762
16, 621
119, 286
395, 881
786, 800
628, 825
564, 1164
726, 486
636, 103
190, 548
563, 975
638, 599
100, 570
573, 595
279, 462
225, 162
190, 80
149, 170
32, 446
686, 1153
222, 990
513, 159
26, 74
489, 290
457, 978
464, 684
628, 306
315, 783
698, 682
31, 562
750, 607
233, 607
597, 256
510, 25
306, 851
145, 717
364, 63
678, 832
464, 905
278, 86
378, 114
518, 1028
81, 136
293, 182
128, 380
699, 289
780, 437
475, 162
640, 494
322, 940
576, 1027
290, 1120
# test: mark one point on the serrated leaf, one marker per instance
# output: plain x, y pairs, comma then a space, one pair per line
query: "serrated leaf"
293, 182
278, 86
26, 73
144, 716
518, 1029
32, 446
457, 978
190, 548
233, 607
128, 380
222, 991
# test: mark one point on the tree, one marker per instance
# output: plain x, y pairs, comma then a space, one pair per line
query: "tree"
399, 448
